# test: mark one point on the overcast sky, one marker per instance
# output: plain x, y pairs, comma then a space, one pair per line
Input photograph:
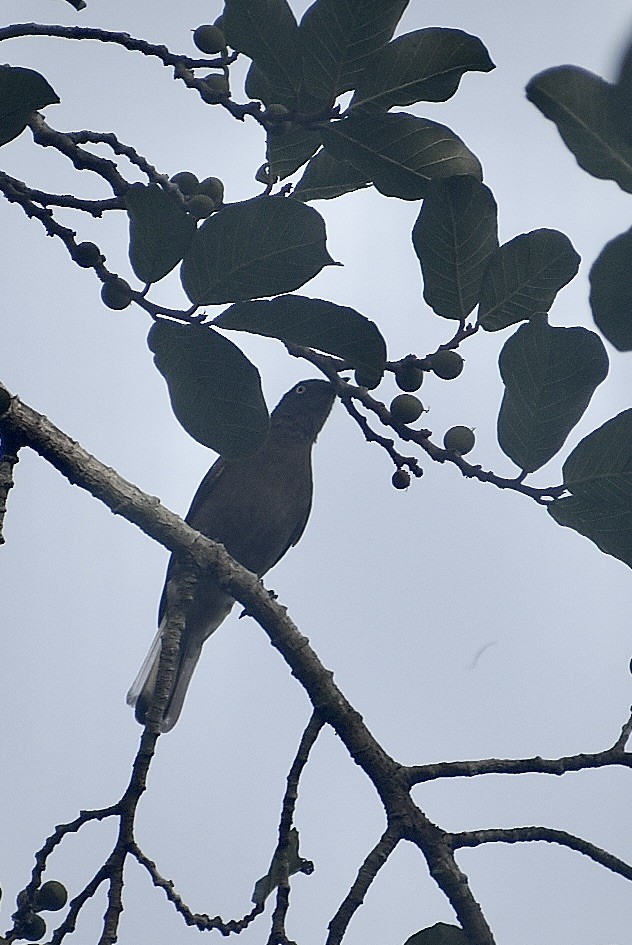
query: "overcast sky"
397, 591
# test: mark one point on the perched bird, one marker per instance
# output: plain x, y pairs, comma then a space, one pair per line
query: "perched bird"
257, 507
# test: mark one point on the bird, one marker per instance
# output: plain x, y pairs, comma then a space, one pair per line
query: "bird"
257, 507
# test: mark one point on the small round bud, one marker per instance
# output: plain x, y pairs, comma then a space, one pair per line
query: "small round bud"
459, 440
200, 206
401, 479
408, 376
215, 90
279, 127
406, 408
186, 182
87, 255
212, 187
447, 364
209, 39
32, 927
116, 293
51, 897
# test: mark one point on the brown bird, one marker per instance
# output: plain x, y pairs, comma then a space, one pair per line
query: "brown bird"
257, 507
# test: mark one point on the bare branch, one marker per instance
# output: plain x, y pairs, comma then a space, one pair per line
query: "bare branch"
474, 838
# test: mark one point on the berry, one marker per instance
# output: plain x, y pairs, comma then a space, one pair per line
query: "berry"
212, 187
408, 376
459, 440
215, 90
276, 112
116, 293
263, 175
200, 206
368, 379
446, 364
32, 927
87, 255
51, 897
406, 408
209, 39
401, 479
186, 182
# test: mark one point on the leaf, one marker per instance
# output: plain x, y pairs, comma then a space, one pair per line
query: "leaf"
550, 375
337, 37
263, 246
277, 873
159, 231
585, 109
611, 291
266, 31
215, 390
454, 236
258, 85
524, 276
325, 178
400, 153
598, 473
439, 934
22, 92
289, 151
315, 323
425, 65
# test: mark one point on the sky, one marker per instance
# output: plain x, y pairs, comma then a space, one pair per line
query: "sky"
397, 591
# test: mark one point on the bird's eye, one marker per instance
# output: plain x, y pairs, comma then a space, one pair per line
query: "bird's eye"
300, 389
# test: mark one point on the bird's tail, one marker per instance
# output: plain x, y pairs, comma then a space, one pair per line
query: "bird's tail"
141, 691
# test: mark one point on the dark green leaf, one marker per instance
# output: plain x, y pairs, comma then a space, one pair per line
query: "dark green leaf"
611, 291
315, 323
454, 236
259, 85
78, 4
524, 276
22, 92
263, 246
289, 151
550, 375
215, 390
325, 177
585, 109
278, 869
439, 934
400, 153
337, 38
426, 65
598, 473
266, 31
159, 231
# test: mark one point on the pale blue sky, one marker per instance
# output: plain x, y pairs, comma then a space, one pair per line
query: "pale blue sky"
396, 591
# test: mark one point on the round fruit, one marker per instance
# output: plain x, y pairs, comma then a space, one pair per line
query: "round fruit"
367, 379
401, 479
408, 376
459, 439
87, 255
209, 39
32, 927
186, 182
51, 897
279, 127
212, 187
216, 89
406, 408
447, 364
200, 206
276, 112
116, 293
